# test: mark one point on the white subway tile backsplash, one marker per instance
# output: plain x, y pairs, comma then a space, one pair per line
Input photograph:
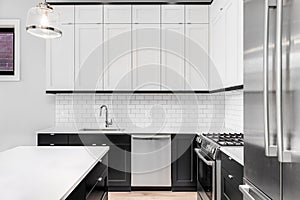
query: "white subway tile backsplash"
172, 112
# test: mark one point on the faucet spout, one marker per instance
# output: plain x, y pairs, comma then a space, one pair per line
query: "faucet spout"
107, 122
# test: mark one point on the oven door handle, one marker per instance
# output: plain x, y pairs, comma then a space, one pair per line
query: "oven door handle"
199, 153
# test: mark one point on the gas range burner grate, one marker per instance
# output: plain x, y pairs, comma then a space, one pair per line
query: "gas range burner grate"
226, 139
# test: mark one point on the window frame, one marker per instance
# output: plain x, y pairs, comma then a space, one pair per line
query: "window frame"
15, 24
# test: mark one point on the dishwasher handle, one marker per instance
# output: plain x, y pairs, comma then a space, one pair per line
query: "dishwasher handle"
151, 137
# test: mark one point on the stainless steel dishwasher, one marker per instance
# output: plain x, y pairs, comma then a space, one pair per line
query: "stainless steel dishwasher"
151, 161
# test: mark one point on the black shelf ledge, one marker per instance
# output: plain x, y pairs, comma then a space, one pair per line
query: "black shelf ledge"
239, 87
116, 2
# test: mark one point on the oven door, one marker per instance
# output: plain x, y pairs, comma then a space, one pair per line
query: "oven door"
205, 176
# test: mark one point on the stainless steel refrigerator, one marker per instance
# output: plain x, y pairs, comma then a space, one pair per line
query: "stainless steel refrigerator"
272, 99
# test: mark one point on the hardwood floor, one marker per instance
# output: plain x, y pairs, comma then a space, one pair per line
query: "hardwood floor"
152, 196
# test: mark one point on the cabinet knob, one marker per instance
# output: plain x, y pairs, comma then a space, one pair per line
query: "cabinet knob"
230, 176
100, 179
51, 144
103, 144
221, 9
94, 144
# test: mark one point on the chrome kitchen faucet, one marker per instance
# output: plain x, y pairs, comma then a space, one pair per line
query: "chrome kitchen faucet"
107, 122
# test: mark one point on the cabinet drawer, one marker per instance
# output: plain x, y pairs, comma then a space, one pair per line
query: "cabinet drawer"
52, 140
96, 180
230, 187
118, 139
234, 168
88, 140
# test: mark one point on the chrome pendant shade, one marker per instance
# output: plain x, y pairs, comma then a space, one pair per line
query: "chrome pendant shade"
43, 21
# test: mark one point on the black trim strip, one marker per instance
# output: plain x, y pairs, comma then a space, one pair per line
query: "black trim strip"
143, 188
239, 87
128, 3
125, 92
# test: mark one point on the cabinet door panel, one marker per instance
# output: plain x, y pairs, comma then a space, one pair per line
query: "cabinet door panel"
146, 13
117, 14
197, 56
117, 58
173, 57
172, 14
218, 54
88, 56
146, 57
231, 18
196, 13
91, 14
60, 60
119, 162
66, 13
183, 163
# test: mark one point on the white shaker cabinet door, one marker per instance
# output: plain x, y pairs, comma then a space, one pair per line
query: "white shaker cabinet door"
173, 57
146, 56
197, 57
66, 13
146, 14
60, 60
218, 53
196, 14
172, 14
88, 57
117, 14
91, 14
117, 57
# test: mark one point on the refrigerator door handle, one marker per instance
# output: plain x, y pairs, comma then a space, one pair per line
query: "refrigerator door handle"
270, 150
283, 156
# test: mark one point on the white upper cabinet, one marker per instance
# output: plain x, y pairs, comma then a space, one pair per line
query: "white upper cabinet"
117, 58
60, 60
216, 7
226, 41
196, 14
88, 56
217, 53
146, 56
117, 14
197, 57
66, 13
60, 53
146, 14
172, 14
172, 57
89, 14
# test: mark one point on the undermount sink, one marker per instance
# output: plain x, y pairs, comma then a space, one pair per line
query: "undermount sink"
102, 129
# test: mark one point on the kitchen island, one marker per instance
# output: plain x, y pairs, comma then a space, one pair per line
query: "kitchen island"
53, 173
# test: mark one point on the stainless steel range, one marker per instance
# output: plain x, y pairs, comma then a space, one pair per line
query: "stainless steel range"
209, 164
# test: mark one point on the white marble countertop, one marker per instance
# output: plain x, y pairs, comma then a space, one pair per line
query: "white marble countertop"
48, 173
236, 153
73, 130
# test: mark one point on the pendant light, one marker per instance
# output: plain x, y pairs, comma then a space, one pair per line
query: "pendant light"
43, 21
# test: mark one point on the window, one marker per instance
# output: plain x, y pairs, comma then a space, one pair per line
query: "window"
9, 50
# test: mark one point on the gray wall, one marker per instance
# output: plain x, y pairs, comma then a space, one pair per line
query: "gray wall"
24, 106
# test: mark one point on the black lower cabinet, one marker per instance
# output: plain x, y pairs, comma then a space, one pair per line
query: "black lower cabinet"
94, 185
183, 163
119, 171
231, 173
